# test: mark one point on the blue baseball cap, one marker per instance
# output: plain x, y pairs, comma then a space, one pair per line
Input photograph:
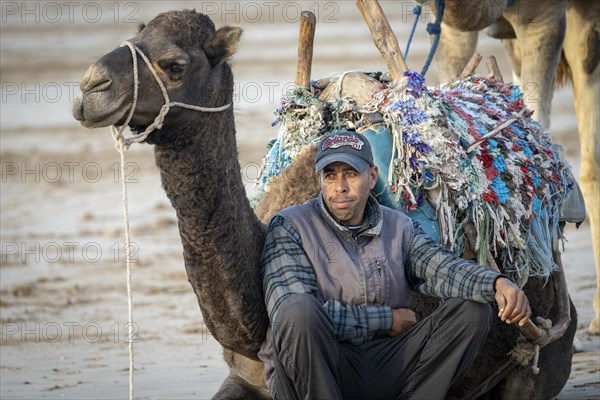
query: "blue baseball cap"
347, 147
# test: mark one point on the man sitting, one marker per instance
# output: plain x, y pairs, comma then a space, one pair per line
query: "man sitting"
337, 273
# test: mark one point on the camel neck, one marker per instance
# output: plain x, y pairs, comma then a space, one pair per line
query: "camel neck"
202, 177
221, 236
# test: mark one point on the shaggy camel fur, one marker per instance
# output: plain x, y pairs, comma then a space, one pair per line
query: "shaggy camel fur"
222, 238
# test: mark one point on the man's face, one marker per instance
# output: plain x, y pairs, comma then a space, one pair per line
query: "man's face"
346, 191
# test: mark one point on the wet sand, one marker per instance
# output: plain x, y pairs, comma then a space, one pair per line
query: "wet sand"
63, 299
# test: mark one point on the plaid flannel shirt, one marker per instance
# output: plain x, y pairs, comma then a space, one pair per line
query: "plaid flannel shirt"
430, 269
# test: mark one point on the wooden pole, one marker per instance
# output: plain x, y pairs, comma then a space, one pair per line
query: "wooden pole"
305, 48
383, 36
492, 67
531, 331
471, 65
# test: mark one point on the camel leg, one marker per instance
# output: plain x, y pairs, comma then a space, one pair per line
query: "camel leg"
236, 388
511, 47
246, 380
540, 36
454, 52
582, 50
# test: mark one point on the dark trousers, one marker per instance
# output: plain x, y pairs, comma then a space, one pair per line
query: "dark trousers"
419, 364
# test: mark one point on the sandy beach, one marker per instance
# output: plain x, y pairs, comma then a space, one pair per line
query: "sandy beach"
63, 294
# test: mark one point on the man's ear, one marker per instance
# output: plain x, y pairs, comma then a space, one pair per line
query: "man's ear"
222, 44
373, 174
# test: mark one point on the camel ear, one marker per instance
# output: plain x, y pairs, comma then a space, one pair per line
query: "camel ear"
222, 44
141, 26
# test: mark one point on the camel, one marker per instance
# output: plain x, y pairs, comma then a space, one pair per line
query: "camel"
197, 156
534, 36
221, 234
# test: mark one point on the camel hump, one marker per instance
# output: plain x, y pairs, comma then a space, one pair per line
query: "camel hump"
296, 184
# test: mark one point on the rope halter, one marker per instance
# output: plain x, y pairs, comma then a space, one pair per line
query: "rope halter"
117, 132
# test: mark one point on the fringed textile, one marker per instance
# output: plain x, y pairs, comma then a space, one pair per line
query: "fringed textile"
449, 150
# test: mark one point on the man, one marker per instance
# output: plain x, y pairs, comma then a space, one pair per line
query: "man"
337, 271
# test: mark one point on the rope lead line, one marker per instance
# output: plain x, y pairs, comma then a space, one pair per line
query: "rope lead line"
433, 28
417, 12
122, 143
128, 264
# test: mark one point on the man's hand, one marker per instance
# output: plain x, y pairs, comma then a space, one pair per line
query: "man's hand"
512, 303
402, 320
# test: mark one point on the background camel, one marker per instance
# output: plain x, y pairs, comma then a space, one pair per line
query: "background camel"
535, 35
197, 156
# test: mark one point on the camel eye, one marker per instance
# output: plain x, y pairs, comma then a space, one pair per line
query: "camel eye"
174, 69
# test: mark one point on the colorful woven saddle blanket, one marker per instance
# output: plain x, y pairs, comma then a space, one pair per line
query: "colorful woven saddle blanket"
464, 153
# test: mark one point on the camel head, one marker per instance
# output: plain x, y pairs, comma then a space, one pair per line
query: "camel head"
188, 55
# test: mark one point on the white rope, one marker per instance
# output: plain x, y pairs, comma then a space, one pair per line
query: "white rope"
121, 146
158, 121
525, 352
128, 264
390, 177
536, 356
122, 143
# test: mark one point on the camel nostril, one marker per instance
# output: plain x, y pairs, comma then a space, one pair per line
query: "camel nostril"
96, 79
98, 86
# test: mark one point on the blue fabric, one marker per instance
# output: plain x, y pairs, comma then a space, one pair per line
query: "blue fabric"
382, 146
